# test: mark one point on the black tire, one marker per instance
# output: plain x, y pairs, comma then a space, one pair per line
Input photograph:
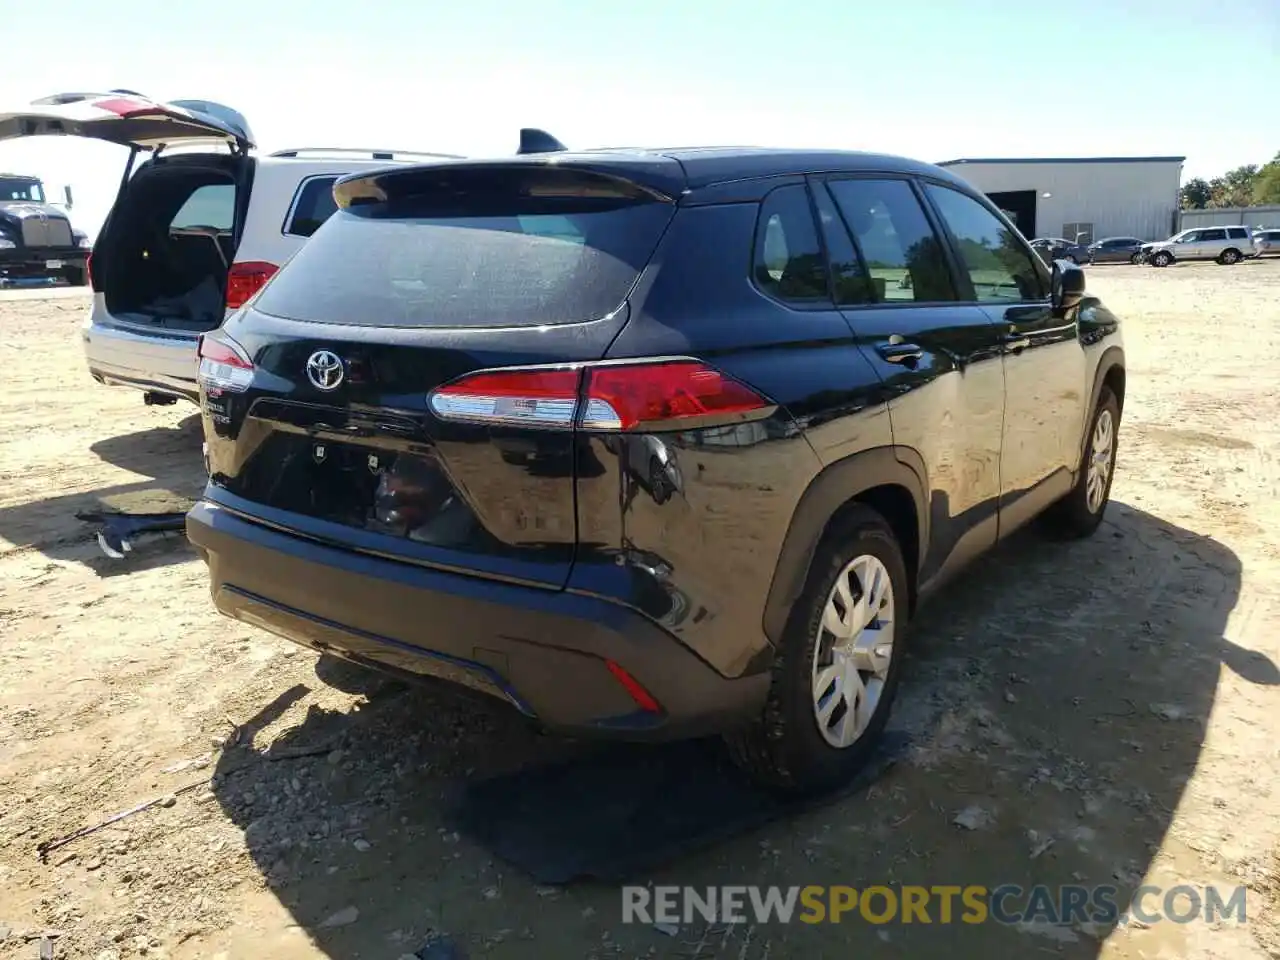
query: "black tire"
784, 749
1162, 259
1136, 259
74, 276
1071, 517
1229, 257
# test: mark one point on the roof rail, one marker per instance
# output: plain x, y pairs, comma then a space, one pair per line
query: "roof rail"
375, 154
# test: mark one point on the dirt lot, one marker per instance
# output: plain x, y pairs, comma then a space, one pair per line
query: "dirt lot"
1111, 708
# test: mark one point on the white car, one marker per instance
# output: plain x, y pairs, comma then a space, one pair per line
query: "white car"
1266, 243
196, 229
1227, 245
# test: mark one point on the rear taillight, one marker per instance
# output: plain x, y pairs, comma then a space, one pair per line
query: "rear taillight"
640, 396
88, 272
245, 279
223, 365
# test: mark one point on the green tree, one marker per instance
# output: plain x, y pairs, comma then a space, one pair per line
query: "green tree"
1195, 194
1234, 188
1266, 186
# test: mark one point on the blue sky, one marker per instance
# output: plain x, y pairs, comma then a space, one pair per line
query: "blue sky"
934, 80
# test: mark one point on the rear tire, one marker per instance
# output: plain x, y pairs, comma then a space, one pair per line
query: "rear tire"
74, 276
789, 749
1229, 257
1079, 513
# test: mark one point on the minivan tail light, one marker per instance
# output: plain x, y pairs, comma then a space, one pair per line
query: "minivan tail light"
245, 279
223, 365
642, 395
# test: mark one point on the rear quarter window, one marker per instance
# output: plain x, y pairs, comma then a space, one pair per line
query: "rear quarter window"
486, 252
313, 204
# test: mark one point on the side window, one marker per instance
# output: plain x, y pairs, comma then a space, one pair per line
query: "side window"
788, 261
213, 205
1000, 267
313, 205
1206, 235
1237, 233
901, 251
849, 277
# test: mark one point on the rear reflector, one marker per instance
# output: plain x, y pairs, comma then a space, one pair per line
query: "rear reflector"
223, 365
644, 700
245, 279
612, 397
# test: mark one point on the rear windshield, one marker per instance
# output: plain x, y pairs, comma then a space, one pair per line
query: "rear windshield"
478, 254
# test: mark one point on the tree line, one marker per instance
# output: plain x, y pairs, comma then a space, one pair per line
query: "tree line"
1245, 186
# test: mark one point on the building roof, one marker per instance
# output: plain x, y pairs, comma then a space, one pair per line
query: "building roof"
952, 163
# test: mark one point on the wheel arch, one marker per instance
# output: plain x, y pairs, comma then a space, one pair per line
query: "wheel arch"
1110, 372
888, 479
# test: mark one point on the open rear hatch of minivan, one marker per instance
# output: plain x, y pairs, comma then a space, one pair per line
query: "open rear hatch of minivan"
411, 384
163, 255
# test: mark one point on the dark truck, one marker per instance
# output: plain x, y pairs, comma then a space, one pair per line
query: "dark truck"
37, 240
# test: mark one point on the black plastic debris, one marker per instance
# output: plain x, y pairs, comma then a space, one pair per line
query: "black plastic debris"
120, 533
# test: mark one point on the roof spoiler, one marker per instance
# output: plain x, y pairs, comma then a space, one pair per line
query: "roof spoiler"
533, 140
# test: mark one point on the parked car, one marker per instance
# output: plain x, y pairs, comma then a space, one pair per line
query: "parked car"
195, 229
37, 240
1116, 250
1056, 248
1266, 243
607, 434
1227, 245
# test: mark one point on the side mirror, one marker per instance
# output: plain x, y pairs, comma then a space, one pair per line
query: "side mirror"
1067, 285
66, 193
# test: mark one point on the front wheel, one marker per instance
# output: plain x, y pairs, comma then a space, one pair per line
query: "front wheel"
1162, 259
836, 670
1136, 259
1079, 513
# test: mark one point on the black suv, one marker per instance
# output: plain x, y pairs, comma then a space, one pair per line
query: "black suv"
650, 443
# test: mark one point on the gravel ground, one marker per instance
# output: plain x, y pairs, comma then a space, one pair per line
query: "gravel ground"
1098, 712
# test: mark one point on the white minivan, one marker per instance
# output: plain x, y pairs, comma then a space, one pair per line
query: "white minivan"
198, 226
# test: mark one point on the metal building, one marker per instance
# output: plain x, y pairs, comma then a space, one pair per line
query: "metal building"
1082, 198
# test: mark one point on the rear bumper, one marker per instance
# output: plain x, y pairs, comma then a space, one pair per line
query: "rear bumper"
162, 363
546, 652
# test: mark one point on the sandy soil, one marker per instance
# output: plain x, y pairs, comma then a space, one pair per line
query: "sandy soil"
1110, 707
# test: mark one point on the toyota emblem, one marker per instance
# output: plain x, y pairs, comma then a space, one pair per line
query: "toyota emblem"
324, 370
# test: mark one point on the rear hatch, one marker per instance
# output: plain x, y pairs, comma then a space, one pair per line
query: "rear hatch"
349, 401
164, 253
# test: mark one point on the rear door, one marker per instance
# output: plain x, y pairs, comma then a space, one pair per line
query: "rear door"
322, 419
1044, 362
939, 357
1211, 243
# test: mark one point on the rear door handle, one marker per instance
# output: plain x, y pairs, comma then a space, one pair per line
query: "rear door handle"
898, 350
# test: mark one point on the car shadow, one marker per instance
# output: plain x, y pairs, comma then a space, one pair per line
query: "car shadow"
1056, 698
170, 456
169, 451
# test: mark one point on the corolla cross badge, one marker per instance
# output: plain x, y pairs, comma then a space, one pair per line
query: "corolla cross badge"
324, 370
